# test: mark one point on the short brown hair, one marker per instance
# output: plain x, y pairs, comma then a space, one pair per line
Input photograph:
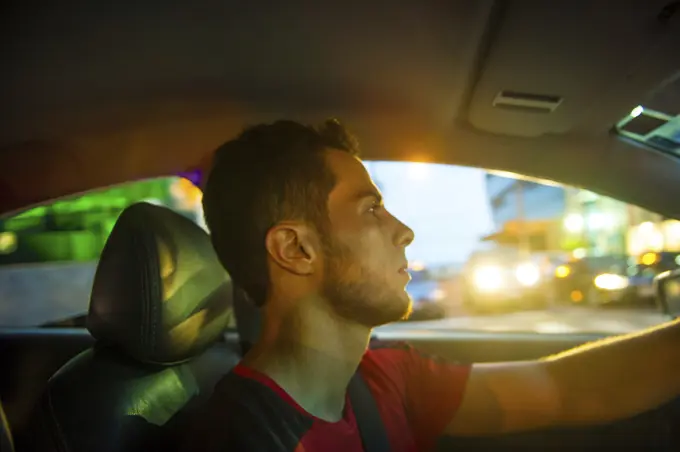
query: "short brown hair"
269, 173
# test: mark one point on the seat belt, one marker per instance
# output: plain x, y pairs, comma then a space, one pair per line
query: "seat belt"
371, 427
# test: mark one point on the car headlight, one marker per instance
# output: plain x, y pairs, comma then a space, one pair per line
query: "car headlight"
563, 271
488, 278
611, 281
528, 274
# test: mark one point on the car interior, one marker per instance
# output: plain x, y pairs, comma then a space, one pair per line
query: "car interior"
95, 96
160, 303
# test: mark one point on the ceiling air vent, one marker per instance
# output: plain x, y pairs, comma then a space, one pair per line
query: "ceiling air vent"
527, 102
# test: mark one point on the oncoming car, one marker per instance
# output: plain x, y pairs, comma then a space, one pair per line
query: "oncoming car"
502, 279
647, 267
616, 280
592, 280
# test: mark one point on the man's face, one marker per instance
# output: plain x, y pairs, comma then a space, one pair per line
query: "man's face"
365, 266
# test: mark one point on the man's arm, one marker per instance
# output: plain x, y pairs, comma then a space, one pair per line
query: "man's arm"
592, 384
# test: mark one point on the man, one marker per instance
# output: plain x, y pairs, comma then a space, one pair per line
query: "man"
298, 223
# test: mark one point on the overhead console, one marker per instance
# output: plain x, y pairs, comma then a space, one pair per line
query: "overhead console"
578, 66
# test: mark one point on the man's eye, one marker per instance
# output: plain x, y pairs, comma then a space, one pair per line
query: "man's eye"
374, 208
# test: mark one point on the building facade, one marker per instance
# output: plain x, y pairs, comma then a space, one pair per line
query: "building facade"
526, 213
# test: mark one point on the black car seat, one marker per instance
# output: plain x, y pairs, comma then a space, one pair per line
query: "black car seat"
6, 443
160, 304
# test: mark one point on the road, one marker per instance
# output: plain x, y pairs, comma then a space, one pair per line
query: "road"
554, 320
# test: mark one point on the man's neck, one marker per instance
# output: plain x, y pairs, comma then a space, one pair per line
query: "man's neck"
312, 354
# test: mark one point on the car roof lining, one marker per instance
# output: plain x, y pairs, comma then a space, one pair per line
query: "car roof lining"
98, 96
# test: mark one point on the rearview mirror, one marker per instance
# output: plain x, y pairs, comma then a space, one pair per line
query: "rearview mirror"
667, 287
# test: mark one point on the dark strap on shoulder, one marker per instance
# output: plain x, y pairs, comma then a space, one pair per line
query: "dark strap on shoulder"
371, 427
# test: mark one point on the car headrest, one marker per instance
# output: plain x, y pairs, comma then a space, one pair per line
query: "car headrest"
159, 294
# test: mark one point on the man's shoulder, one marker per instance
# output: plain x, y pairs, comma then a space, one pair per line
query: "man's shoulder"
384, 363
396, 356
385, 352
247, 415
241, 396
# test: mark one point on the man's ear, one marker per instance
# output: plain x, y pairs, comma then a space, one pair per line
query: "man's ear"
293, 246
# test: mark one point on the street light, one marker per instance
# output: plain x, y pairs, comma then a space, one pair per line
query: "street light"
579, 253
417, 171
600, 220
574, 223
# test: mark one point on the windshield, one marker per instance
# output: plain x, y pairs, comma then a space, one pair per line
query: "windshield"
491, 253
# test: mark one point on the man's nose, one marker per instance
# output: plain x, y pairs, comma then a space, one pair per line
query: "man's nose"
405, 235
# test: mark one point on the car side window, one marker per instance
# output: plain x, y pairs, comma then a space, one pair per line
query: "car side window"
49, 254
499, 252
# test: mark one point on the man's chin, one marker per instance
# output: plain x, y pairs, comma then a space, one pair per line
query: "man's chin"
408, 311
396, 311
370, 307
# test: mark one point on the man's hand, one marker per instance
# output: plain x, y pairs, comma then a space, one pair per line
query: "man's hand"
592, 384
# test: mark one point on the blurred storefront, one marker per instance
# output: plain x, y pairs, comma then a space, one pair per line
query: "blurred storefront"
526, 214
650, 236
538, 235
187, 199
542, 218
599, 225
76, 229
595, 224
516, 199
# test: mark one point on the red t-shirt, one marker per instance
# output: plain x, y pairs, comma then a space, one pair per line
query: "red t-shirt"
417, 396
